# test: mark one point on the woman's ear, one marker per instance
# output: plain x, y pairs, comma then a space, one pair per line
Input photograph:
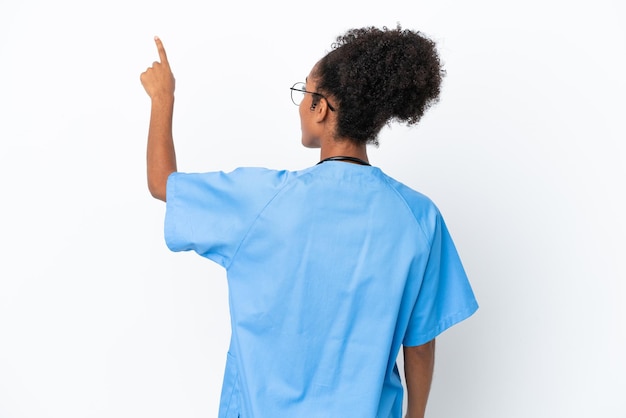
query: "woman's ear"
321, 110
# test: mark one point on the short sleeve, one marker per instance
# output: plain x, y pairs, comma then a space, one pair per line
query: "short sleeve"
210, 213
445, 296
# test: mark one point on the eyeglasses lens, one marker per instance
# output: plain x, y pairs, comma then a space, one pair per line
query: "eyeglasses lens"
297, 93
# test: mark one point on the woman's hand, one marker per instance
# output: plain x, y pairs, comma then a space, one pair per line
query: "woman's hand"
158, 80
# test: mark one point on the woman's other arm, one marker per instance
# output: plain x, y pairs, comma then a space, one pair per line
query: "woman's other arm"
419, 363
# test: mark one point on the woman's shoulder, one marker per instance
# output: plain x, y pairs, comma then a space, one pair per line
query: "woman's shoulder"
422, 207
409, 194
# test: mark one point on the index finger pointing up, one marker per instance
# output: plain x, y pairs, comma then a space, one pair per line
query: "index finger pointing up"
162, 54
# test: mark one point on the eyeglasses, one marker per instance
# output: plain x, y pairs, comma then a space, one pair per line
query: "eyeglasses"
298, 91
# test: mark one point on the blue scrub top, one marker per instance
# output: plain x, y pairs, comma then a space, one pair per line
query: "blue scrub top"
330, 270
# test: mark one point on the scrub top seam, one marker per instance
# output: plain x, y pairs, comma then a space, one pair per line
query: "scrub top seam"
428, 239
287, 182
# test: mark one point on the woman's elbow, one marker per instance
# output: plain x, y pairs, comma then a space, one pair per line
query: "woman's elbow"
158, 189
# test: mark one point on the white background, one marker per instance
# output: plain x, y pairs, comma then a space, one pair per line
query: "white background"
525, 155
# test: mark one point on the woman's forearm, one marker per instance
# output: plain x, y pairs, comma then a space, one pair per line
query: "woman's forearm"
419, 363
160, 155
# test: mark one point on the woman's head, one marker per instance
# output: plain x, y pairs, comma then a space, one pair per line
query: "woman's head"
376, 76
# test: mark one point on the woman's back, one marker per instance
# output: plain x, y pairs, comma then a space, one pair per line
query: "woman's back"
325, 268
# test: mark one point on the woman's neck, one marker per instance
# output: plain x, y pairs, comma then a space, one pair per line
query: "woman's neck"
344, 148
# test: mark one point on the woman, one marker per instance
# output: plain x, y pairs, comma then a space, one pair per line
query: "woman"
331, 269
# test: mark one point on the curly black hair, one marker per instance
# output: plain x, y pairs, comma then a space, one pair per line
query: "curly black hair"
378, 76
